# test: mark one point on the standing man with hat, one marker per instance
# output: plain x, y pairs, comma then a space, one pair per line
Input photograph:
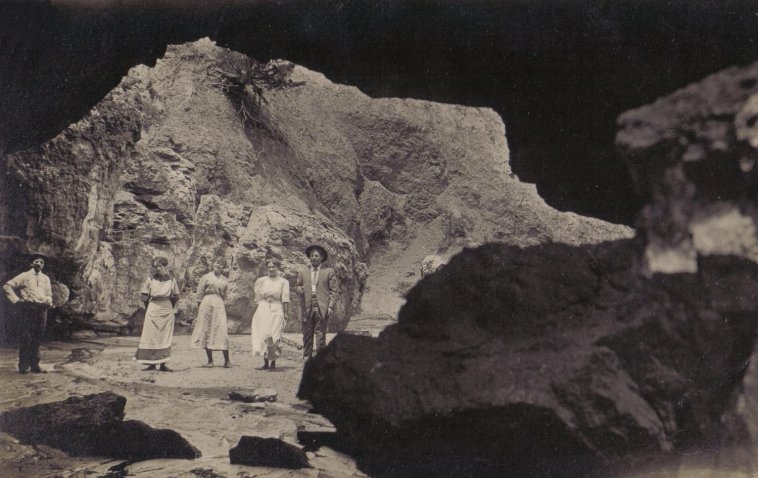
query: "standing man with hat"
32, 294
317, 286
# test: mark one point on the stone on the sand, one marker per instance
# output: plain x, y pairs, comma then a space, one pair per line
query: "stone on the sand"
257, 395
270, 452
68, 425
93, 425
136, 440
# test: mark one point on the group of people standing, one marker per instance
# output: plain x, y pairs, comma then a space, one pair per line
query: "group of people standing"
316, 286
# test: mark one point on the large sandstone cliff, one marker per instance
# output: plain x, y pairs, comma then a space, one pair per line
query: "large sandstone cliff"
169, 163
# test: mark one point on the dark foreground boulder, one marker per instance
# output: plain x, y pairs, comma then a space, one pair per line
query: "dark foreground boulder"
93, 425
70, 425
136, 440
270, 452
546, 361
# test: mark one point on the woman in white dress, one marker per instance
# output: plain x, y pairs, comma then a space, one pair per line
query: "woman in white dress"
160, 294
210, 331
272, 293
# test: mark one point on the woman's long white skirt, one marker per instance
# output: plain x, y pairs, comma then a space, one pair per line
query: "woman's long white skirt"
157, 333
211, 330
266, 329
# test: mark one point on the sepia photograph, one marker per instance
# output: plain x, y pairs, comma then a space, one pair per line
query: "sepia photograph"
378, 238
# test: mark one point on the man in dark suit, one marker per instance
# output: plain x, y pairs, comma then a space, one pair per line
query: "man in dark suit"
317, 286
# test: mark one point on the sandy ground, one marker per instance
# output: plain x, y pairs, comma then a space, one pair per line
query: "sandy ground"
191, 399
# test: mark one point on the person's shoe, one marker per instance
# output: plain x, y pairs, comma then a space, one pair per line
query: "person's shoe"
38, 370
163, 368
227, 365
149, 367
208, 365
265, 364
22, 370
273, 364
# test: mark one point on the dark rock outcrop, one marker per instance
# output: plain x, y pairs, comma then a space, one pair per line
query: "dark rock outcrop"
135, 440
270, 452
693, 156
94, 425
549, 360
70, 425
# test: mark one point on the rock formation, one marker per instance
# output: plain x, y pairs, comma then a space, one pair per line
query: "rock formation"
542, 359
693, 157
268, 452
557, 360
94, 425
257, 395
172, 162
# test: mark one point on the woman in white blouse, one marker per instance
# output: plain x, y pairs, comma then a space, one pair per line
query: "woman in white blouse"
210, 331
272, 293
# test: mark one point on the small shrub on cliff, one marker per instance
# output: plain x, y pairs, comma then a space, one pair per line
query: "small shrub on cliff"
245, 81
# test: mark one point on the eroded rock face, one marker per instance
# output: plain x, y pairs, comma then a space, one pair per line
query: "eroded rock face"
94, 425
692, 155
166, 164
545, 361
417, 178
178, 175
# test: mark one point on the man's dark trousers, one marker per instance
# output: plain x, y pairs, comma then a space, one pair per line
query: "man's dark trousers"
33, 319
314, 322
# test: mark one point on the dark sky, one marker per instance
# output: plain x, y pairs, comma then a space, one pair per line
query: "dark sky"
558, 72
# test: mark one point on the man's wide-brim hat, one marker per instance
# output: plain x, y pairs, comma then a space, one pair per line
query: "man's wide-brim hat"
320, 249
37, 255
